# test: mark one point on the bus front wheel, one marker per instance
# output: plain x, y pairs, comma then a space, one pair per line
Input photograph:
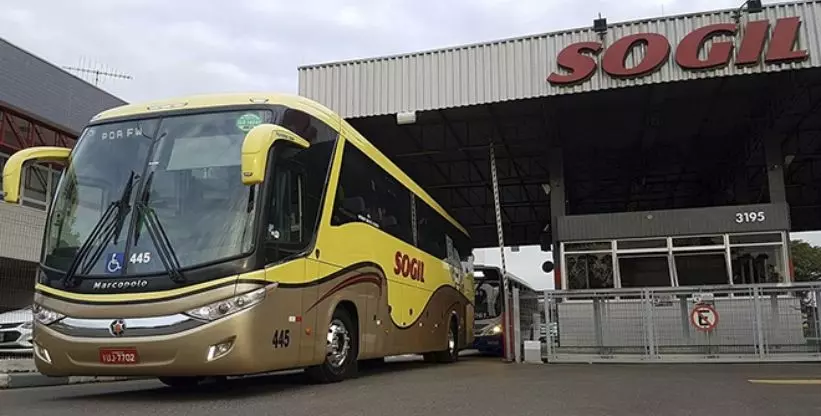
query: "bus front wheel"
341, 350
451, 352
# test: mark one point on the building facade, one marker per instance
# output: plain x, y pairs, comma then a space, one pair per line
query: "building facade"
536, 66
40, 105
675, 151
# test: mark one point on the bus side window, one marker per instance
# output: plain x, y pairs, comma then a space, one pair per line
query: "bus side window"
431, 230
481, 301
353, 199
285, 234
367, 193
316, 160
394, 200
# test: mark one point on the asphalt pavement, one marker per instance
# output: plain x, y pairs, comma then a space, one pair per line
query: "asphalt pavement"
474, 386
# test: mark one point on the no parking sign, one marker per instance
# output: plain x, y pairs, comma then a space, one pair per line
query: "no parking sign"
704, 317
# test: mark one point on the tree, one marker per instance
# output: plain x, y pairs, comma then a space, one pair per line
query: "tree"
806, 260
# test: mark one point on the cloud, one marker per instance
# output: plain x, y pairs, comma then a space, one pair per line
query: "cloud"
186, 46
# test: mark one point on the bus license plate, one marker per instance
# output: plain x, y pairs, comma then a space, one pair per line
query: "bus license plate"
119, 356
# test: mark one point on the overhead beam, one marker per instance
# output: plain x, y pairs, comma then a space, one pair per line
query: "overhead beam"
504, 182
502, 137
438, 169
473, 162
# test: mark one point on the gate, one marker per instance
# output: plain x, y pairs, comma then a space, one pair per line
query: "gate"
728, 323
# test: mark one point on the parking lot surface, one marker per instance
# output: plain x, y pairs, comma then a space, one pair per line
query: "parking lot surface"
474, 386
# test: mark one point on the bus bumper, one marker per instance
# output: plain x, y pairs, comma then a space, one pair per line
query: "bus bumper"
234, 345
489, 344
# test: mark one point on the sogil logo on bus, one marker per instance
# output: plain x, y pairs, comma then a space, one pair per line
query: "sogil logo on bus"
580, 62
409, 267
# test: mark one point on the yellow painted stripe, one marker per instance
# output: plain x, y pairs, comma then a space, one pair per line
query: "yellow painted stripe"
788, 382
125, 297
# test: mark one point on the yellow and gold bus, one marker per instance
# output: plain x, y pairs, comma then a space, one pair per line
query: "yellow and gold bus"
219, 235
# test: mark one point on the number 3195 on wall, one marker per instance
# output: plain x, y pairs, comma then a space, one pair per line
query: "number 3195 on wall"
747, 217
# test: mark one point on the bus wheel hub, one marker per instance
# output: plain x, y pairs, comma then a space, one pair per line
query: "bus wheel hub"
339, 343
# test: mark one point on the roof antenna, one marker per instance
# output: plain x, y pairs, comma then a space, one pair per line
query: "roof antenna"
95, 72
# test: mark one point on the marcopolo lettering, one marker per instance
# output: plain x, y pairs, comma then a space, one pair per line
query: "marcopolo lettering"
407, 266
122, 284
580, 63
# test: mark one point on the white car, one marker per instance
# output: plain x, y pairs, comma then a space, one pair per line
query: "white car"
15, 332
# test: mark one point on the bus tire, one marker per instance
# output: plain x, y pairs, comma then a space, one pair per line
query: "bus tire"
181, 382
451, 352
371, 363
342, 350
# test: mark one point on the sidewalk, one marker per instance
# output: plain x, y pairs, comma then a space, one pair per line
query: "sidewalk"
19, 373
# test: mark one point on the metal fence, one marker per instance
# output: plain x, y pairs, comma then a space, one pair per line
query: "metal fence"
732, 323
530, 325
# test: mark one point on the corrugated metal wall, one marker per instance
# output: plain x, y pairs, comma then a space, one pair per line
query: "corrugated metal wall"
518, 68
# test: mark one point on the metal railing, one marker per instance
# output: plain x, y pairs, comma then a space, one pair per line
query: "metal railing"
728, 323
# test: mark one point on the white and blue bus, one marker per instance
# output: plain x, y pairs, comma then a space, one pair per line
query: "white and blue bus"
490, 303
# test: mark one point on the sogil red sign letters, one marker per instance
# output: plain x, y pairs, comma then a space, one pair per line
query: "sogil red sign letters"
580, 63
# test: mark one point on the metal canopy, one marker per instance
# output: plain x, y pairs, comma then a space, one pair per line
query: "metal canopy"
664, 146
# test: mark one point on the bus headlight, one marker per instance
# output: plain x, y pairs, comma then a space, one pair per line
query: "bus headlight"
229, 306
492, 329
46, 316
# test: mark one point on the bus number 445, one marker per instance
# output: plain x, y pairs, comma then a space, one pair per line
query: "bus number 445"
282, 338
144, 257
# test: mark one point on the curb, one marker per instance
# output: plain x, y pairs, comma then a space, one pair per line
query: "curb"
23, 380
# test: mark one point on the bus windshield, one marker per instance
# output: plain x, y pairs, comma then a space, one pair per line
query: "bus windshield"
153, 192
488, 294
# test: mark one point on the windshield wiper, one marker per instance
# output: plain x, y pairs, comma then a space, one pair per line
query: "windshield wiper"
117, 209
147, 217
163, 244
143, 201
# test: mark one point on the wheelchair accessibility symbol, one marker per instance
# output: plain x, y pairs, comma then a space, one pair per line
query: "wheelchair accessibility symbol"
115, 262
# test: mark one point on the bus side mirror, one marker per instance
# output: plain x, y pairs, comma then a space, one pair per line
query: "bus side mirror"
13, 171
255, 147
547, 266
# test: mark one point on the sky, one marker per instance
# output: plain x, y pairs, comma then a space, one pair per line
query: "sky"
182, 47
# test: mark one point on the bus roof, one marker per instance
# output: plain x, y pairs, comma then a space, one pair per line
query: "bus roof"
202, 101
297, 102
510, 275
